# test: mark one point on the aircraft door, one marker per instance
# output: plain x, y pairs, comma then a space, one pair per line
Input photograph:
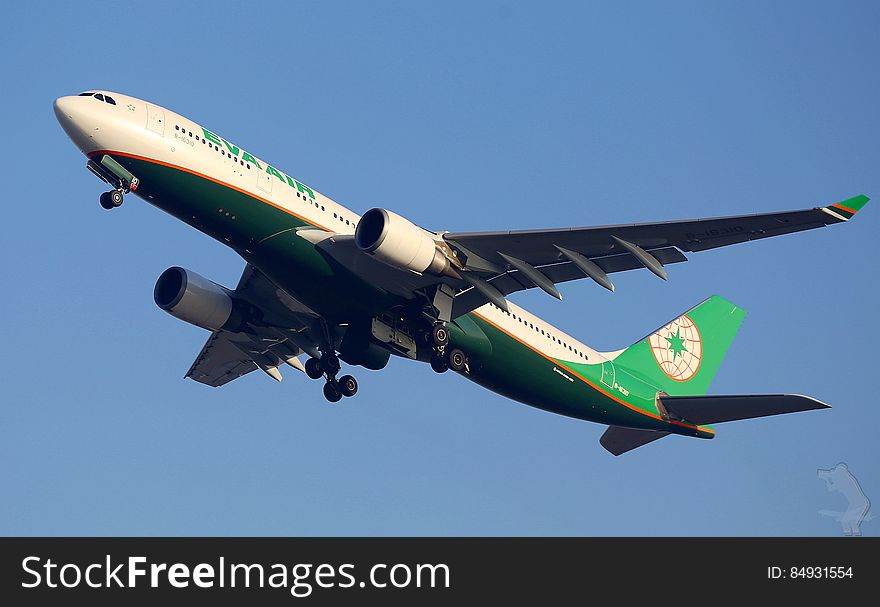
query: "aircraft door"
608, 374
155, 120
264, 181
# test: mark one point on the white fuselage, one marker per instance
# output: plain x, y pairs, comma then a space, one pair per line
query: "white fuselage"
138, 128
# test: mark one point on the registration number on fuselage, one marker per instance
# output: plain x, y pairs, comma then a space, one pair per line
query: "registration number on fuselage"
563, 374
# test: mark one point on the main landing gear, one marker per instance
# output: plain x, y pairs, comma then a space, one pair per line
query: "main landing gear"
112, 199
328, 366
443, 358
439, 339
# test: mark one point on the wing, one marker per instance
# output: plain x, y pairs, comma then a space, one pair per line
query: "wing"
284, 332
508, 260
220, 362
227, 356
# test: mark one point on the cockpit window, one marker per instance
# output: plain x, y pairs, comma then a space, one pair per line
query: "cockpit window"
99, 97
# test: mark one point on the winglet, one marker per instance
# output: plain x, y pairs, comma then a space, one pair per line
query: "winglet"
847, 208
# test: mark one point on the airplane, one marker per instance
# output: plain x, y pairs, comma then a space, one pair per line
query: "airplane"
324, 283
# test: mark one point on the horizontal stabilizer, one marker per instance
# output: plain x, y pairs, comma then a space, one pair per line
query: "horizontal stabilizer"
619, 440
716, 409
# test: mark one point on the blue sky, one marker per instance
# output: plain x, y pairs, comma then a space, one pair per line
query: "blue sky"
461, 116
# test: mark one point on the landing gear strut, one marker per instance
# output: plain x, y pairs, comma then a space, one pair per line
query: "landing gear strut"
328, 366
329, 363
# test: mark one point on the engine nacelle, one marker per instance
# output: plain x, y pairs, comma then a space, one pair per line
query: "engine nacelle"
193, 298
400, 243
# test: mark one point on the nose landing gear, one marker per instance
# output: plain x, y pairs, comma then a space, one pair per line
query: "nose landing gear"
328, 366
112, 199
120, 179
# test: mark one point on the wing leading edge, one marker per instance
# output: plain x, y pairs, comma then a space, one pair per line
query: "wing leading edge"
572, 253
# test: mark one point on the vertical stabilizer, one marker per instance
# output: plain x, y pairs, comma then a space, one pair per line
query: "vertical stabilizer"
682, 356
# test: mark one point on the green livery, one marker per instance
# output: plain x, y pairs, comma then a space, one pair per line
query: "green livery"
326, 284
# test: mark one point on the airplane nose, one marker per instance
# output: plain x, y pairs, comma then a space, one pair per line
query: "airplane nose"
74, 116
64, 110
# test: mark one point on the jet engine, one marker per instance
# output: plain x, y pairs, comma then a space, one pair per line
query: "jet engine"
400, 243
193, 298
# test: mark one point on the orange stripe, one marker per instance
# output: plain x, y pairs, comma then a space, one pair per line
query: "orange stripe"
590, 384
848, 210
209, 178
512, 336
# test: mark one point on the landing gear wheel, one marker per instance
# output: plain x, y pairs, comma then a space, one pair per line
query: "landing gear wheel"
331, 392
440, 335
313, 368
329, 363
348, 385
457, 360
438, 364
116, 197
106, 202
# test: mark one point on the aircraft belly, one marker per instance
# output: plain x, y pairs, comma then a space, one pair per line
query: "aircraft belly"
300, 268
518, 372
226, 214
263, 234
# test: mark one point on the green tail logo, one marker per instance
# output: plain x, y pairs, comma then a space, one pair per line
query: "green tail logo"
682, 356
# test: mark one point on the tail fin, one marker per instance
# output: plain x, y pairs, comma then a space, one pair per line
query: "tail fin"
682, 356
